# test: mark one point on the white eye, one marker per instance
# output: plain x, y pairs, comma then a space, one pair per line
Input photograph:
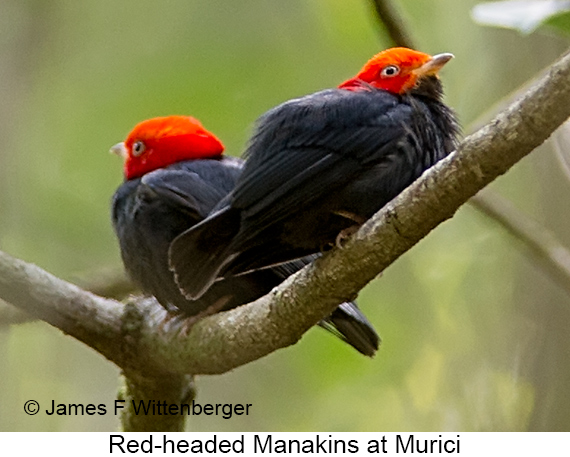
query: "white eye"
389, 71
138, 148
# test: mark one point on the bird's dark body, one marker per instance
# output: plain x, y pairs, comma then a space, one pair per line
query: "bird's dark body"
149, 212
318, 165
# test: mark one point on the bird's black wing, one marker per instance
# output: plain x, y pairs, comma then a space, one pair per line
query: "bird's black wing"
305, 148
191, 186
148, 213
300, 152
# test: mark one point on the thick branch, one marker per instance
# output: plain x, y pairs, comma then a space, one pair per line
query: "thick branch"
89, 318
138, 390
134, 339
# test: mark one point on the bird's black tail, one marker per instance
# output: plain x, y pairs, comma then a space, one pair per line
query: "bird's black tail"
197, 255
349, 324
346, 322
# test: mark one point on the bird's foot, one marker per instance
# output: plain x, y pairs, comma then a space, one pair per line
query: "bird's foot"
177, 321
345, 234
187, 323
184, 323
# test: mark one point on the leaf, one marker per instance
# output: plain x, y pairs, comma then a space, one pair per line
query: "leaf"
524, 15
560, 22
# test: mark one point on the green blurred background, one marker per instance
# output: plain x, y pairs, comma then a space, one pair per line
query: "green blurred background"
475, 335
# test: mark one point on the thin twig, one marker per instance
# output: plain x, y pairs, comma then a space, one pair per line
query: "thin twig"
393, 23
542, 243
9, 315
109, 282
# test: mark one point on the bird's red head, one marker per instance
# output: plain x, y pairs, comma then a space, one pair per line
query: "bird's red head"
162, 141
396, 70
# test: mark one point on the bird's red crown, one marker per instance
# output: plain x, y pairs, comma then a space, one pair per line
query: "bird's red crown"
396, 70
162, 141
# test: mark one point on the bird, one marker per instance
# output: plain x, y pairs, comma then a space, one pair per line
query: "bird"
175, 173
319, 166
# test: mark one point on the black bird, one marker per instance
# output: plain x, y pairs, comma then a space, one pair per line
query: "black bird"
175, 174
319, 166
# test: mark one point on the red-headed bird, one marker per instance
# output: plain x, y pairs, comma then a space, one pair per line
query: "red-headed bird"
175, 174
320, 165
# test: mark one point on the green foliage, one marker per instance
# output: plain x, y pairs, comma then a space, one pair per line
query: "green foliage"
526, 16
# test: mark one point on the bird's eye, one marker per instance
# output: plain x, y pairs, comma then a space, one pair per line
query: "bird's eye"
138, 148
389, 71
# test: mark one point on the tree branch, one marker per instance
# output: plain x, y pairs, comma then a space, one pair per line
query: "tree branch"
10, 315
391, 21
135, 337
553, 256
169, 390
108, 282
87, 317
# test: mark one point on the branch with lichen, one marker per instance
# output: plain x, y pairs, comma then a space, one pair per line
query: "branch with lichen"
135, 338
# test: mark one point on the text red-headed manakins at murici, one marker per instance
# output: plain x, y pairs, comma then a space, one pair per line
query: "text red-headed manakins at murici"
320, 165
175, 173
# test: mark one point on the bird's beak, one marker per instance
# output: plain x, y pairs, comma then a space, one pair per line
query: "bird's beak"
119, 149
432, 66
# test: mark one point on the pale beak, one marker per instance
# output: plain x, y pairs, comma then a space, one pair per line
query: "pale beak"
120, 150
431, 67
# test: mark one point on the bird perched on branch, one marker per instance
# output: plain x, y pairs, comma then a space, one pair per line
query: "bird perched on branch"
319, 166
175, 173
